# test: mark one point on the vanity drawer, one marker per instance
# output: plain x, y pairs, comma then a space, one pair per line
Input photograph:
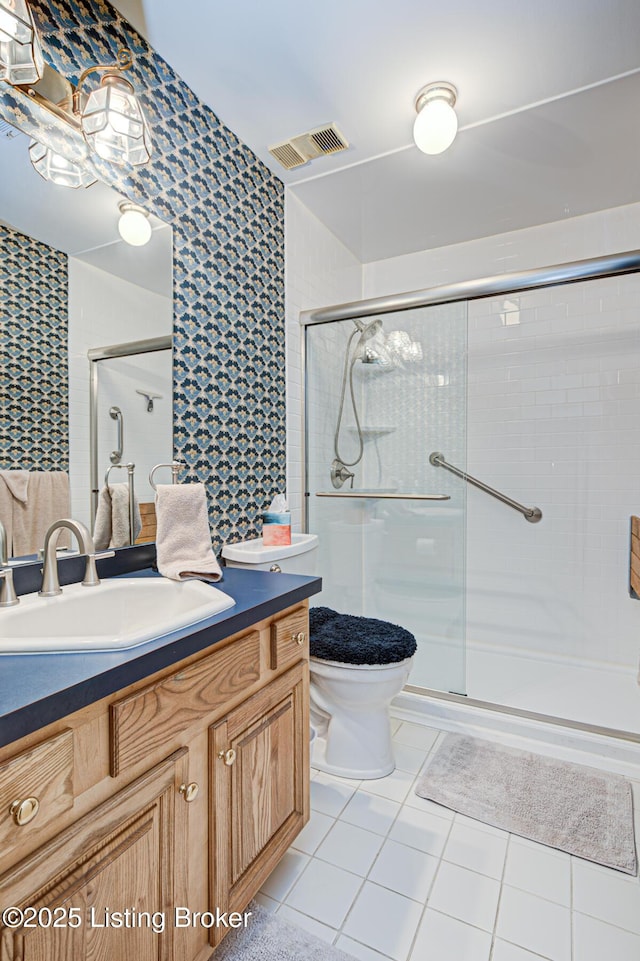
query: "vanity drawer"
157, 714
36, 787
290, 638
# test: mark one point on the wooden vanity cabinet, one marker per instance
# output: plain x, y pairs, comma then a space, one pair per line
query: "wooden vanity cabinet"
122, 857
197, 818
259, 762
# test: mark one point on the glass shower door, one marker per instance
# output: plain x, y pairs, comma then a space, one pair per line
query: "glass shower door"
382, 394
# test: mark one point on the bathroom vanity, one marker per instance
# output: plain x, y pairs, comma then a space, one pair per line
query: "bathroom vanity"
161, 786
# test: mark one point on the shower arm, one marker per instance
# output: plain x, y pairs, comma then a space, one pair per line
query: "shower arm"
531, 514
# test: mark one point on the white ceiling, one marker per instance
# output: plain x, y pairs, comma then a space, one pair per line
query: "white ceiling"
81, 223
534, 146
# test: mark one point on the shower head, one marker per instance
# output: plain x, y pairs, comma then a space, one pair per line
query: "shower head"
367, 331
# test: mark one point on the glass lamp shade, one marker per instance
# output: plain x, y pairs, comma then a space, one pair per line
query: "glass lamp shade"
20, 51
435, 127
133, 225
113, 123
57, 169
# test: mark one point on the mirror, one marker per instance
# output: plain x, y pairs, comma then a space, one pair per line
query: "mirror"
70, 284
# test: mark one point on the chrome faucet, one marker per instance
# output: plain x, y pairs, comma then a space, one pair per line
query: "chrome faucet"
8, 596
50, 580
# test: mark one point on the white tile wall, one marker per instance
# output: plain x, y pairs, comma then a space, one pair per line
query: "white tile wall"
552, 420
319, 271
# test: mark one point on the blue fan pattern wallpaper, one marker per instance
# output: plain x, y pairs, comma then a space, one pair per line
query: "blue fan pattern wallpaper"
34, 432
227, 214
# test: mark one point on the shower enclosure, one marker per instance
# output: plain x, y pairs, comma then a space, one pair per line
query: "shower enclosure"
382, 395
472, 455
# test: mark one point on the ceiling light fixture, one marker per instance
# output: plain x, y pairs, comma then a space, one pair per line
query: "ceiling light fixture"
112, 120
109, 118
20, 51
133, 225
54, 167
436, 125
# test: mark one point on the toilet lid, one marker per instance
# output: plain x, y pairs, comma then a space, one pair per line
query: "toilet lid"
357, 640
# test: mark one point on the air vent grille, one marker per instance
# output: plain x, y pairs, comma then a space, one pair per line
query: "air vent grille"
286, 154
328, 140
307, 146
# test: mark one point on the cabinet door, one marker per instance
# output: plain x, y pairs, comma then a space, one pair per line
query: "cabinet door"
116, 868
259, 759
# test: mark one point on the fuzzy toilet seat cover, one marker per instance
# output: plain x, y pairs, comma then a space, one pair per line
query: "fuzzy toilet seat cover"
357, 640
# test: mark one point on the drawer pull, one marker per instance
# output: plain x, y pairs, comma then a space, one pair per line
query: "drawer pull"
24, 811
189, 791
228, 756
299, 638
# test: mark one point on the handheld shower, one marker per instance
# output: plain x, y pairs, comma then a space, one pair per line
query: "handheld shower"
339, 474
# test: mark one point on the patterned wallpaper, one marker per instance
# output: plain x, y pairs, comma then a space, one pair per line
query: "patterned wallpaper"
34, 428
227, 213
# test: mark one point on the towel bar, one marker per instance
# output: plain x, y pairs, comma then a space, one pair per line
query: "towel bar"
130, 468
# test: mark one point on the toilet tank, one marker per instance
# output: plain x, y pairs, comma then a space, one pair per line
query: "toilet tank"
299, 557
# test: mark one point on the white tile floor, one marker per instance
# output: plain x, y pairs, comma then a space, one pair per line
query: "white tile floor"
384, 874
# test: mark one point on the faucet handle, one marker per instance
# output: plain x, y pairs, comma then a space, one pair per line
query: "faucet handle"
91, 578
8, 597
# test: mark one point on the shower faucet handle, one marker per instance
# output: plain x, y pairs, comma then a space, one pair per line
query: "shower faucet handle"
340, 474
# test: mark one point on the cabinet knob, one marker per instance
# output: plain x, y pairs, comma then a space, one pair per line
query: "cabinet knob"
275, 569
24, 811
299, 638
189, 791
228, 756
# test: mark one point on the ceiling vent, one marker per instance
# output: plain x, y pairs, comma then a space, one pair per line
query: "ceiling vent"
307, 146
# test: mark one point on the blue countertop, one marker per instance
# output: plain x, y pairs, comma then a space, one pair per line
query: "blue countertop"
37, 689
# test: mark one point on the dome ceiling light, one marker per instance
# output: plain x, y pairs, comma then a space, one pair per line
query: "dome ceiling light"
436, 125
133, 225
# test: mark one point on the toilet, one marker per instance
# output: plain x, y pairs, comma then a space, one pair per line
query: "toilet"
357, 666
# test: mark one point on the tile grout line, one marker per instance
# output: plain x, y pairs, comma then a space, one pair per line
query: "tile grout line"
502, 886
429, 893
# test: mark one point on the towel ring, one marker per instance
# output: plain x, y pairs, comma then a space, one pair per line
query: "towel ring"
176, 466
130, 467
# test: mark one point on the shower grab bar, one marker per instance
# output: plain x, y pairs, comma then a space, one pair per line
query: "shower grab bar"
531, 514
382, 497
130, 468
176, 466
116, 455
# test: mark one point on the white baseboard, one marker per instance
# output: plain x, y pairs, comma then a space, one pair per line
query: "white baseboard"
618, 755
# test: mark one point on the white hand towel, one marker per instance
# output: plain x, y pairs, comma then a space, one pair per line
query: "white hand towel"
13, 487
183, 538
47, 500
111, 528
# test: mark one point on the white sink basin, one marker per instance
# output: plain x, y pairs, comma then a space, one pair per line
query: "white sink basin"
117, 614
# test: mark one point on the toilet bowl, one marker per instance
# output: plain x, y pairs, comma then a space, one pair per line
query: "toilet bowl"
350, 712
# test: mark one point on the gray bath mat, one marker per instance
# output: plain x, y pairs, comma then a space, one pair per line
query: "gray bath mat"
576, 809
267, 938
